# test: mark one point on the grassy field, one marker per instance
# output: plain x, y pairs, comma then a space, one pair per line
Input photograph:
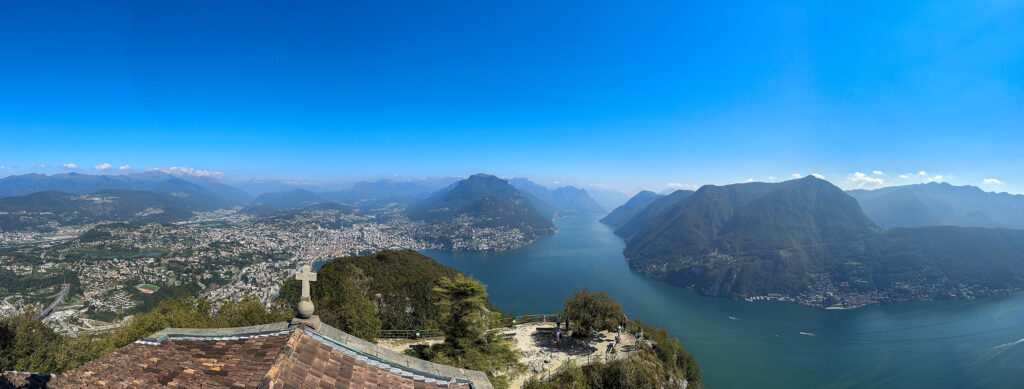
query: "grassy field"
147, 288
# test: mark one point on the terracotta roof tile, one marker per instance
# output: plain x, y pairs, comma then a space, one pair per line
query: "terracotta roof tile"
285, 358
182, 362
19, 380
313, 363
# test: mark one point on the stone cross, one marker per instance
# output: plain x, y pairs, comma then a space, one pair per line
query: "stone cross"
305, 302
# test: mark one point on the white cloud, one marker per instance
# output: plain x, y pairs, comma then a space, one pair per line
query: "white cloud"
2, 167
39, 165
124, 168
69, 166
862, 180
922, 173
937, 178
877, 172
771, 178
556, 182
904, 176
796, 175
187, 171
990, 181
822, 177
749, 180
102, 166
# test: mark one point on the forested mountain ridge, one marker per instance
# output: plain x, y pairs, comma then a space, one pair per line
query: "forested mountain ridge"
623, 213
644, 216
810, 241
483, 201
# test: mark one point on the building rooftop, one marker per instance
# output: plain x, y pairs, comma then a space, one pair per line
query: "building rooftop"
272, 356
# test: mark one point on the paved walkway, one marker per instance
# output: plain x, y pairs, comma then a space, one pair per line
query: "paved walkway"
536, 342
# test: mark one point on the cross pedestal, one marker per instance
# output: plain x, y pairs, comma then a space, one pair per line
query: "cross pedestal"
305, 314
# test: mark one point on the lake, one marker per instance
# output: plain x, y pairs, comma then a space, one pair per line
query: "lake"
966, 344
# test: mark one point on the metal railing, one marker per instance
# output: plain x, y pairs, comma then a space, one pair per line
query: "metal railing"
511, 320
502, 322
410, 334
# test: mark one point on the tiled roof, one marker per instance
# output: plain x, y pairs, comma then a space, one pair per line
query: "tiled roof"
239, 362
19, 380
313, 362
273, 356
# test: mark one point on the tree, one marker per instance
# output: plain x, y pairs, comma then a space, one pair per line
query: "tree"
468, 342
28, 345
588, 312
341, 299
248, 312
464, 315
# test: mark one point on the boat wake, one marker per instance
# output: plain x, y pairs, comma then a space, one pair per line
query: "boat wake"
1000, 348
807, 333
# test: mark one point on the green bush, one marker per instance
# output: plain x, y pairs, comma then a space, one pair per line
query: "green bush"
589, 312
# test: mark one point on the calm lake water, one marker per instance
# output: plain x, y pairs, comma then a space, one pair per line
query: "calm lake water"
966, 344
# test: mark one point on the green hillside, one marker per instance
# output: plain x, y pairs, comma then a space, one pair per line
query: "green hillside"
809, 240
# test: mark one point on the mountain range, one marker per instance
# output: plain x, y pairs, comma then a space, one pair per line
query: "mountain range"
210, 192
809, 240
484, 201
560, 202
45, 210
941, 204
453, 207
487, 201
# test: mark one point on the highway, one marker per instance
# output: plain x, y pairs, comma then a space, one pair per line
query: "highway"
63, 293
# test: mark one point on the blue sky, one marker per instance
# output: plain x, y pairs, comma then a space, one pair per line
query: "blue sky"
637, 95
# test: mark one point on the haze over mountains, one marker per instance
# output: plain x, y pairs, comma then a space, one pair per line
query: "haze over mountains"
219, 194
941, 204
560, 202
